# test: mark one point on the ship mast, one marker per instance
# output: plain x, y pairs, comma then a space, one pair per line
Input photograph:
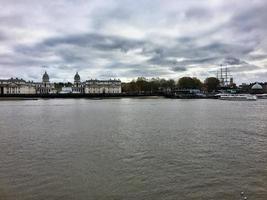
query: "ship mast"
224, 75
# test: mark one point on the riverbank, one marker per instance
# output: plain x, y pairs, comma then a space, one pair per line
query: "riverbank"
73, 96
123, 95
17, 99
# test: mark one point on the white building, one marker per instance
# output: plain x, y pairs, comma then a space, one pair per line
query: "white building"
77, 87
102, 87
96, 86
19, 86
45, 87
16, 86
66, 90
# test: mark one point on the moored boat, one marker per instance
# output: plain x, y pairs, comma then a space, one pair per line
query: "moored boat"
261, 96
238, 97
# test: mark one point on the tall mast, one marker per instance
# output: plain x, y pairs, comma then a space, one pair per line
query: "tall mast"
221, 72
226, 77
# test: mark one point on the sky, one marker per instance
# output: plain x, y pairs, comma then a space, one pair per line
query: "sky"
127, 39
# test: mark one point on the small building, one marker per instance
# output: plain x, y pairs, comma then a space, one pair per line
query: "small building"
66, 90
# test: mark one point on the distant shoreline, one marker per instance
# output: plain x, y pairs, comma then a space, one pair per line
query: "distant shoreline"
17, 99
91, 96
72, 95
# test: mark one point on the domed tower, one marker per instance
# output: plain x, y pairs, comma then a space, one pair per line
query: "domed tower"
77, 78
45, 78
77, 86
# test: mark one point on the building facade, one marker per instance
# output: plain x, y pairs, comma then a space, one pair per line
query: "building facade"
66, 90
16, 86
102, 87
45, 87
20, 86
96, 86
77, 87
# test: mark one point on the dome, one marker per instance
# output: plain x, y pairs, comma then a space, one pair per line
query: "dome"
256, 87
77, 77
45, 77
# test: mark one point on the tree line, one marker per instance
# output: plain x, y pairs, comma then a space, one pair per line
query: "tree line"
142, 85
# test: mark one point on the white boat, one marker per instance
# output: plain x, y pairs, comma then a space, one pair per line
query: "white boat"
238, 97
261, 96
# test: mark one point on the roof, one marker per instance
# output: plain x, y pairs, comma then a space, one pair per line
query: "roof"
102, 81
256, 87
13, 80
77, 77
45, 77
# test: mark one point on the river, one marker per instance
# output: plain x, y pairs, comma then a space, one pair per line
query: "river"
133, 148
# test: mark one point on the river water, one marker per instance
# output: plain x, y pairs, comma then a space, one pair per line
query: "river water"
133, 149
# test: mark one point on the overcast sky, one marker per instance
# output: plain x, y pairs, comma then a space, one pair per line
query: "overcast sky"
130, 38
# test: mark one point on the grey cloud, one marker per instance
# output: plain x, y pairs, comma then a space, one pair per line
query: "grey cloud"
107, 75
244, 67
73, 38
146, 72
12, 21
79, 49
258, 57
233, 61
253, 17
33, 77
98, 41
198, 13
178, 69
224, 49
70, 49
212, 53
3, 36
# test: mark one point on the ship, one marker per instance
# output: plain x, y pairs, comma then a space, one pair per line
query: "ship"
237, 97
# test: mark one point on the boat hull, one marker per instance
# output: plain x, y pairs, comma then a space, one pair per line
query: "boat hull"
238, 97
